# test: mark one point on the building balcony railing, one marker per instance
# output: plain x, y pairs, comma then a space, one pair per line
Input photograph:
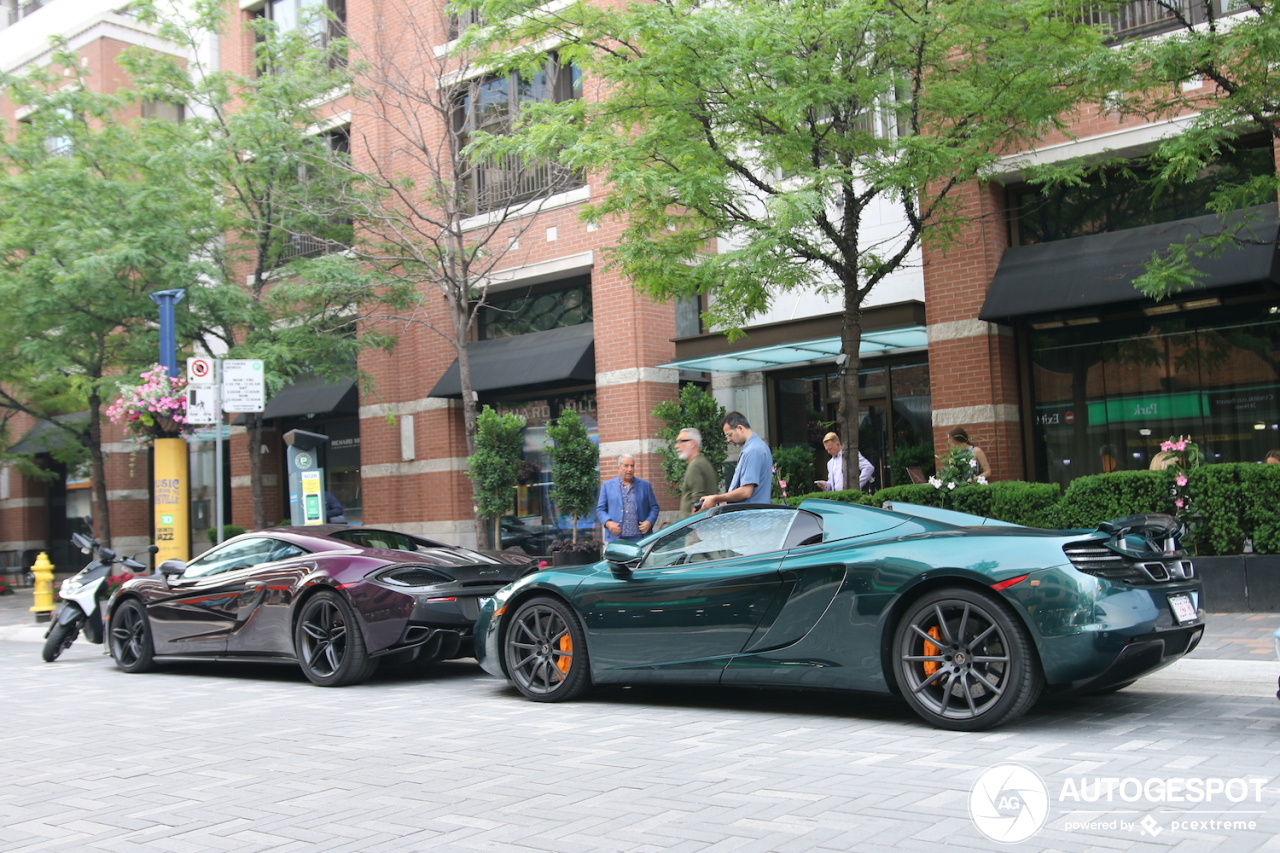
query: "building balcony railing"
1143, 18
309, 246
508, 181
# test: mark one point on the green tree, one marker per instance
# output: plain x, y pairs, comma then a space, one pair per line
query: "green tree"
93, 217
1230, 49
575, 461
790, 132
494, 468
699, 410
281, 287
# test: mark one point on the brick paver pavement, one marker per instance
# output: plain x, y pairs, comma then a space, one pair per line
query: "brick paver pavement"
213, 757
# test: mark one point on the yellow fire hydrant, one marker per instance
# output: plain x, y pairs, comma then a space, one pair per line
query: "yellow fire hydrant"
43, 570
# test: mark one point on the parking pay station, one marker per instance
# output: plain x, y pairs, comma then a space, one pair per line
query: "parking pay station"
306, 477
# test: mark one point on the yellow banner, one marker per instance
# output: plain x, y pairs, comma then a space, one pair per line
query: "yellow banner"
172, 502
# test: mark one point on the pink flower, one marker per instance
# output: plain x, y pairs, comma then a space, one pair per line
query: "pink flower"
1166, 446
1181, 481
1179, 503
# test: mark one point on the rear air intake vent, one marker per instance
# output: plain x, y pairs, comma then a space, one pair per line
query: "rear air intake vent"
1101, 562
414, 577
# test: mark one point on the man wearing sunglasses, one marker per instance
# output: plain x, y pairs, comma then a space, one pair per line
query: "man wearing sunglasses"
699, 476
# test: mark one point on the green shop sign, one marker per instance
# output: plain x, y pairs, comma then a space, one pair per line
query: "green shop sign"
1165, 407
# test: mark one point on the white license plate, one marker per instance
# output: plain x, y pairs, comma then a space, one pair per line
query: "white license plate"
1183, 609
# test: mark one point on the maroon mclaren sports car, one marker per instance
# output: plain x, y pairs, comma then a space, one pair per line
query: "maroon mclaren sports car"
337, 600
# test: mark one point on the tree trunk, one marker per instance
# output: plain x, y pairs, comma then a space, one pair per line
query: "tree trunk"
98, 474
850, 341
255, 469
469, 421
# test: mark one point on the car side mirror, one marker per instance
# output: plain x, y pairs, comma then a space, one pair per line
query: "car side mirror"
171, 567
623, 555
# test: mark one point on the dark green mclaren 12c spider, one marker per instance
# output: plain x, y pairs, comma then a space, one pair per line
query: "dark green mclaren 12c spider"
970, 620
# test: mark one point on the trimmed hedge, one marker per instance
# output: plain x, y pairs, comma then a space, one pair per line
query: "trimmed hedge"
1234, 502
851, 496
1096, 498
1230, 503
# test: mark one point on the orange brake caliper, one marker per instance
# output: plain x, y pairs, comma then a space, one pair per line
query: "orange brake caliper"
566, 648
930, 650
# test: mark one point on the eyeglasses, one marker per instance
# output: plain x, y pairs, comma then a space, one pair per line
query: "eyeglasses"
683, 440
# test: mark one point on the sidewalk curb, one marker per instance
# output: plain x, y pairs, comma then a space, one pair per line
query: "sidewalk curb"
23, 633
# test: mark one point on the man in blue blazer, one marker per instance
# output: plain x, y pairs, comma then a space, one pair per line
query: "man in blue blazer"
627, 508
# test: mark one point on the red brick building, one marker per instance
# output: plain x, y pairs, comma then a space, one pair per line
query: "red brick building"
1026, 331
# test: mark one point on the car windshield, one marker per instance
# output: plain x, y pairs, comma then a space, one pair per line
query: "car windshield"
740, 533
396, 541
241, 554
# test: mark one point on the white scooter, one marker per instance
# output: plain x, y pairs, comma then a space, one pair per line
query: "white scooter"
82, 596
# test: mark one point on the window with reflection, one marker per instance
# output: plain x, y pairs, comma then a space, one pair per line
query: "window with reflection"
742, 533
536, 309
1107, 394
241, 554
493, 105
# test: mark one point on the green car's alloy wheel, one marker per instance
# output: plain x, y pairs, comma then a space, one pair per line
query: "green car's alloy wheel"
131, 644
546, 652
329, 643
964, 661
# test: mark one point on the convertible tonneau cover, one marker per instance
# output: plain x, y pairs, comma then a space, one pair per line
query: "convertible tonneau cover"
946, 516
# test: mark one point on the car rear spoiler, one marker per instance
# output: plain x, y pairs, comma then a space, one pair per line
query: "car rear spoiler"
1144, 537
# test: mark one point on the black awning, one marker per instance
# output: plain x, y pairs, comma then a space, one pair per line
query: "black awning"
311, 395
564, 356
48, 437
1066, 275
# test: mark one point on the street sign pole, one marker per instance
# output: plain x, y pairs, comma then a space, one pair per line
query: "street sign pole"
218, 419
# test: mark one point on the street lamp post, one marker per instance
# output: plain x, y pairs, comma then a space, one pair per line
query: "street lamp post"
170, 502
166, 299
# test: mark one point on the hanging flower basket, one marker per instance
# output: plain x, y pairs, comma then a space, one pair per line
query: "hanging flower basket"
156, 408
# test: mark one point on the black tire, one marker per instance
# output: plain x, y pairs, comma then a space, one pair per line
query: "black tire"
131, 643
545, 651
60, 639
964, 661
329, 643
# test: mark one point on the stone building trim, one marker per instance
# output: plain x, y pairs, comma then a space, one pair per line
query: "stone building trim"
409, 407
984, 414
610, 450
19, 503
417, 467
634, 375
957, 329
24, 545
245, 481
128, 495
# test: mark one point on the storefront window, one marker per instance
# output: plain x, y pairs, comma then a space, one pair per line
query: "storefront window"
535, 521
1107, 395
894, 422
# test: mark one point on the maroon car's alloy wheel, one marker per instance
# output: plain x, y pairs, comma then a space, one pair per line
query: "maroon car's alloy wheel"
131, 643
329, 643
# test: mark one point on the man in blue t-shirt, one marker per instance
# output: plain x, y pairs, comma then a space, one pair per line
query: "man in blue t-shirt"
753, 478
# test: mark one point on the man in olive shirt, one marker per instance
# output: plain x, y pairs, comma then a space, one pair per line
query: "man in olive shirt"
699, 476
